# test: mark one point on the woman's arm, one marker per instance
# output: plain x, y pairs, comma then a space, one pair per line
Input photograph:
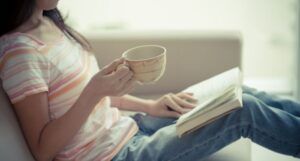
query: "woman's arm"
167, 105
46, 138
131, 103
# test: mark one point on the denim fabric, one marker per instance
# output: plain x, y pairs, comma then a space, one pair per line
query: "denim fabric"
268, 120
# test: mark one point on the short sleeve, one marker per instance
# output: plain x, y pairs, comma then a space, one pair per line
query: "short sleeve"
24, 72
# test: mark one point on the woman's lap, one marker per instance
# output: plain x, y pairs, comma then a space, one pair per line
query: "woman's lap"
150, 124
270, 127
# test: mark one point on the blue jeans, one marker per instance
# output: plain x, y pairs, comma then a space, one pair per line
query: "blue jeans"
267, 120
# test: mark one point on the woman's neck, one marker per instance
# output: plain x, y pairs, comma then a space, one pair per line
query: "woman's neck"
32, 23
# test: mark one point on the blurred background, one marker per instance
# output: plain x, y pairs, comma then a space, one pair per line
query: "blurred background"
268, 29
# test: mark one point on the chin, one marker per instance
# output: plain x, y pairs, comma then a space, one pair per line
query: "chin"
51, 4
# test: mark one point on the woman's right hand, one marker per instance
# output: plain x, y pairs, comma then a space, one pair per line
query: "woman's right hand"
114, 79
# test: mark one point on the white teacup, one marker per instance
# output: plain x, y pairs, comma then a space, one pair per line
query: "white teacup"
148, 62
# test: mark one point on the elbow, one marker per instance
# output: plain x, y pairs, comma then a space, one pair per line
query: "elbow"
43, 156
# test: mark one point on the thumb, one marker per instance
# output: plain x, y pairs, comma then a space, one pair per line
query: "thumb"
190, 93
112, 66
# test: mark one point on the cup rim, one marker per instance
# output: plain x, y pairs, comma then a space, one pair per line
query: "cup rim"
141, 46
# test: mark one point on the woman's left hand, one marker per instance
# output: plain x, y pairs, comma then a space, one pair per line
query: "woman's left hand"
172, 105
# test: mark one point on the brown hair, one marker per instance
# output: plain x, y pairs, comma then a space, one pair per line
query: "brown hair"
13, 13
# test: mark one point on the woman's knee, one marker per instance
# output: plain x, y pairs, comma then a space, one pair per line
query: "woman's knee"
248, 100
251, 107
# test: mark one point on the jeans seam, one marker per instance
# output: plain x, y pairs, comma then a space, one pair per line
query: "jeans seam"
201, 144
274, 137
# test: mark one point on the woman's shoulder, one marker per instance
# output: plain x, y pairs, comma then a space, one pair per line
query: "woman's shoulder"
46, 33
17, 40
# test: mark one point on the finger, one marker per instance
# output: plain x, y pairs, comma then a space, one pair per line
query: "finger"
120, 73
124, 80
118, 67
183, 102
185, 110
187, 97
189, 93
128, 86
172, 104
112, 66
186, 94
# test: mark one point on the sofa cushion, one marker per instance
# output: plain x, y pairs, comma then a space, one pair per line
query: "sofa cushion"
12, 143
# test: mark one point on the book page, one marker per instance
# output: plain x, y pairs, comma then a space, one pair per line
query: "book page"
209, 117
208, 105
211, 89
217, 84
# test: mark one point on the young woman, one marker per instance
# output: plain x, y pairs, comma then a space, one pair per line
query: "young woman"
68, 110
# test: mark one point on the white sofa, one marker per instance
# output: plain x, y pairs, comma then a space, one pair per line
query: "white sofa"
191, 57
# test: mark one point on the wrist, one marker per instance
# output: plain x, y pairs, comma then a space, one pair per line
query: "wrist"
90, 97
149, 104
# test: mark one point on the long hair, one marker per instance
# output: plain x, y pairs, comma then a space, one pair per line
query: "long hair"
14, 13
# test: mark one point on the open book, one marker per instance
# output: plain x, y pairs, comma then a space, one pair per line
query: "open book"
217, 96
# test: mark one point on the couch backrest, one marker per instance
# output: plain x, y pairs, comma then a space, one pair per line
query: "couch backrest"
12, 143
191, 57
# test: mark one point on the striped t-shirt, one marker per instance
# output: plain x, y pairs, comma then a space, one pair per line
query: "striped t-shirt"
62, 69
